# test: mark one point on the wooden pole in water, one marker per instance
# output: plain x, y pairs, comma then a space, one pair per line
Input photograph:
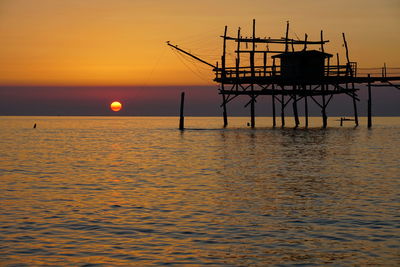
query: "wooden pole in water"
306, 111
224, 113
324, 117
355, 105
295, 113
252, 110
182, 119
369, 102
283, 110
273, 106
306, 107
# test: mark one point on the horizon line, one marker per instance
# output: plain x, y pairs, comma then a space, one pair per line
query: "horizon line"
104, 85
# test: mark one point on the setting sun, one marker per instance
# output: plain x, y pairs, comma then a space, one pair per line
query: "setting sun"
116, 106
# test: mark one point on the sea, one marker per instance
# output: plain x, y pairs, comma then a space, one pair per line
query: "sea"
136, 191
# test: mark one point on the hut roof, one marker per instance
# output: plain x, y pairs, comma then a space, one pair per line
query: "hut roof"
307, 53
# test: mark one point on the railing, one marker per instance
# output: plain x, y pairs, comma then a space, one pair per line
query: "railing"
348, 70
244, 72
379, 72
342, 71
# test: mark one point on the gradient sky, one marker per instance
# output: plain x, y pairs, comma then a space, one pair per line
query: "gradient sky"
122, 42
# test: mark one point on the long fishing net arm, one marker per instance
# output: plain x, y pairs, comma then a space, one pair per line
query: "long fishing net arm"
189, 54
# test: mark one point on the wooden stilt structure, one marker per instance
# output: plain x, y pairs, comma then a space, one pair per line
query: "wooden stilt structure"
301, 73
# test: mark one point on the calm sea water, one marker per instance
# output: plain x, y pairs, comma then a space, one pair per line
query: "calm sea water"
135, 191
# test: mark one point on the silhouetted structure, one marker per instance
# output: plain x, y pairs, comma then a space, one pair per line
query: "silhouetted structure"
181, 117
296, 73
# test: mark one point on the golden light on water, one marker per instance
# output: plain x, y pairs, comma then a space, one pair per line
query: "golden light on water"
138, 193
116, 106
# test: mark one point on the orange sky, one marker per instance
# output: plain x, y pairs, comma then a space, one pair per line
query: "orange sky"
122, 42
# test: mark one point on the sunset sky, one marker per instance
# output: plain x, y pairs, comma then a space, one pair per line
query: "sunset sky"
122, 42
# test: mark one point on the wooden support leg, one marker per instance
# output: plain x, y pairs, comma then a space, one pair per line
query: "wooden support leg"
355, 107
273, 107
182, 119
273, 111
306, 111
224, 110
324, 117
225, 117
253, 121
295, 113
283, 110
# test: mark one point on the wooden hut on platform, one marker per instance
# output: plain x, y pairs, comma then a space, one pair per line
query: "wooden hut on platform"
308, 65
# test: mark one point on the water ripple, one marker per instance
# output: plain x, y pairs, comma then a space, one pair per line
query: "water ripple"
134, 191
